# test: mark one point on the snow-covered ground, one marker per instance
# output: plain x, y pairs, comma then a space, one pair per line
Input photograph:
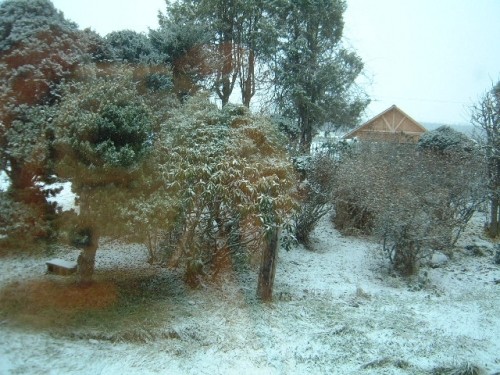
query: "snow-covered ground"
337, 311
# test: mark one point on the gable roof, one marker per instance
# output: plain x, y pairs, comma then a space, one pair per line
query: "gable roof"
392, 124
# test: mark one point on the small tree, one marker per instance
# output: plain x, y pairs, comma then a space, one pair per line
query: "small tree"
103, 135
486, 118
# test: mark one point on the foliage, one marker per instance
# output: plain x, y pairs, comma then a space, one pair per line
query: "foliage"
414, 202
445, 140
229, 179
234, 34
28, 215
181, 44
318, 173
28, 138
21, 17
39, 49
103, 135
21, 224
131, 46
103, 128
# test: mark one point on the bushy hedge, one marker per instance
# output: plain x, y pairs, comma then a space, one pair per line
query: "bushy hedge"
413, 201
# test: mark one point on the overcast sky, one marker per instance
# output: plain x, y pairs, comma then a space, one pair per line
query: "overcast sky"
432, 58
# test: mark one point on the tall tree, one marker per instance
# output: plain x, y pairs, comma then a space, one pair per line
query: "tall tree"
255, 37
486, 117
314, 75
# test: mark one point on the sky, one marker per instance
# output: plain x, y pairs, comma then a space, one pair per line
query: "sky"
432, 58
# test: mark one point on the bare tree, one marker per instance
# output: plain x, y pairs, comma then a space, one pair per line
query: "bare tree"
486, 118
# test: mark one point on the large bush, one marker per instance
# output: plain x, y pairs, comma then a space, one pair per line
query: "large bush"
228, 180
413, 201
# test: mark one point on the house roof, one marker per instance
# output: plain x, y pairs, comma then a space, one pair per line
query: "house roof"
392, 121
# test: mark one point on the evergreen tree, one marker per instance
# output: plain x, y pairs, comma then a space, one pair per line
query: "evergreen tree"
39, 48
103, 135
314, 74
296, 45
181, 43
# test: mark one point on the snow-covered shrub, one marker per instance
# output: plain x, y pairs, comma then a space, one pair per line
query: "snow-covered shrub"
349, 216
412, 201
229, 182
318, 179
446, 140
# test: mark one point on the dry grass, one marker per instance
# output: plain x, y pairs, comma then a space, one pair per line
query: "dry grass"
46, 303
69, 298
116, 304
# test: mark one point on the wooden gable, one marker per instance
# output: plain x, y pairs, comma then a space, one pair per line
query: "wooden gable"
392, 125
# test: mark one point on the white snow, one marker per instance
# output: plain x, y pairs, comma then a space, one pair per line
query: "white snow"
66, 199
337, 311
4, 181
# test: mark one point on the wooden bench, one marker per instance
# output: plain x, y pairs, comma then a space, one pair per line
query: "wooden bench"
61, 267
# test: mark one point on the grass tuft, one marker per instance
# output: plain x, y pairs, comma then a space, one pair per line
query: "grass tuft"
465, 368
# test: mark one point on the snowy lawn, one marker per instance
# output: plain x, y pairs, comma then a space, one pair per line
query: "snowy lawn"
337, 311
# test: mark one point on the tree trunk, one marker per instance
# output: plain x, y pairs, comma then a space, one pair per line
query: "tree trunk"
86, 259
227, 75
494, 224
268, 266
248, 84
305, 131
